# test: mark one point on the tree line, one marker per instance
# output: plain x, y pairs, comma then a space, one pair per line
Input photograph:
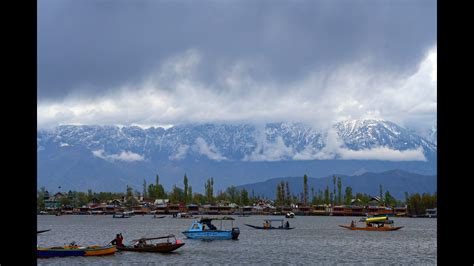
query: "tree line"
416, 203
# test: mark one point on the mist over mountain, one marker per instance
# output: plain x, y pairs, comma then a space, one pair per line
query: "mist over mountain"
110, 157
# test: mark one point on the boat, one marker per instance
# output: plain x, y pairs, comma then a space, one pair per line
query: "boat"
42, 231
146, 245
374, 224
267, 225
182, 215
122, 215
290, 215
205, 230
74, 250
159, 217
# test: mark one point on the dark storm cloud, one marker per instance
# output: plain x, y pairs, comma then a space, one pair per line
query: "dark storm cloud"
92, 47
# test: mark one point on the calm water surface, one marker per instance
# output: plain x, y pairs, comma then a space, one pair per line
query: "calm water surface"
315, 240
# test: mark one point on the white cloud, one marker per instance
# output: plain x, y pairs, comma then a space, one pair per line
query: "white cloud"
383, 153
175, 94
126, 156
210, 151
270, 151
181, 153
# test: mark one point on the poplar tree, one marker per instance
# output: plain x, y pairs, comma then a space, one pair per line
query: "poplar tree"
305, 190
185, 181
339, 190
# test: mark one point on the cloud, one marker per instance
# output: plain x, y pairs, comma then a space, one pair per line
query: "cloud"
181, 153
126, 156
270, 151
176, 93
383, 153
334, 149
210, 151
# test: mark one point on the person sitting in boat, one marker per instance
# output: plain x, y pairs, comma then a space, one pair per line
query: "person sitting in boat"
118, 241
141, 243
352, 224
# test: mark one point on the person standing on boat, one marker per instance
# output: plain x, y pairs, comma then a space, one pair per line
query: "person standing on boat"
118, 241
287, 225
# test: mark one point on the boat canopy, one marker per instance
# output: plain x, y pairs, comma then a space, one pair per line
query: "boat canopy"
208, 219
153, 238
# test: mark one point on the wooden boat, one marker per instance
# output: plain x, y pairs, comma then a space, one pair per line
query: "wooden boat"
42, 231
73, 250
374, 224
268, 225
145, 245
372, 228
159, 217
122, 215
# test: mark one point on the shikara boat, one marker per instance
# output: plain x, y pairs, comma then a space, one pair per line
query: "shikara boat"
122, 215
145, 245
383, 228
42, 231
205, 230
67, 251
159, 217
374, 224
267, 225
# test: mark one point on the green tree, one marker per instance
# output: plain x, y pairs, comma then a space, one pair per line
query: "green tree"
389, 199
327, 199
305, 190
144, 187
190, 194
288, 194
129, 192
176, 195
348, 196
333, 195
233, 194
185, 181
339, 190
244, 197
209, 188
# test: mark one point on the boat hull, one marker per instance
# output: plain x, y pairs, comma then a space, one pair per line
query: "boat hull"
209, 235
160, 248
384, 228
269, 228
68, 251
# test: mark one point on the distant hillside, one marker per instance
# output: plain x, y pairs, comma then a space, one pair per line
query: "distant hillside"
396, 181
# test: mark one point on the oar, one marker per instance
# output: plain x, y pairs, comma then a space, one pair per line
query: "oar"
42, 231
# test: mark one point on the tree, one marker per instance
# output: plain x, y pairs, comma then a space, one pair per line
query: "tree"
380, 192
129, 192
288, 194
176, 195
185, 181
334, 189
327, 199
312, 194
389, 200
233, 194
209, 188
244, 197
348, 196
190, 194
40, 198
339, 190
144, 187
305, 190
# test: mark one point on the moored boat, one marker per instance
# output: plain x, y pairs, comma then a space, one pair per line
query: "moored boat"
205, 230
145, 245
290, 215
73, 250
267, 225
122, 215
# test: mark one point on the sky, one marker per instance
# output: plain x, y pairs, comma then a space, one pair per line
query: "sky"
161, 63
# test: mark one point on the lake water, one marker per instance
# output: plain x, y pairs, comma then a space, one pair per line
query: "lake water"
315, 240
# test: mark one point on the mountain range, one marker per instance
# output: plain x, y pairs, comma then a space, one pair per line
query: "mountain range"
107, 158
396, 181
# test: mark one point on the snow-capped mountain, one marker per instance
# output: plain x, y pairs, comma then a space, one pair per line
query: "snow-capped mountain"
227, 151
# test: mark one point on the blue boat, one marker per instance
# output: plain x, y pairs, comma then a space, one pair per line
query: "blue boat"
205, 230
